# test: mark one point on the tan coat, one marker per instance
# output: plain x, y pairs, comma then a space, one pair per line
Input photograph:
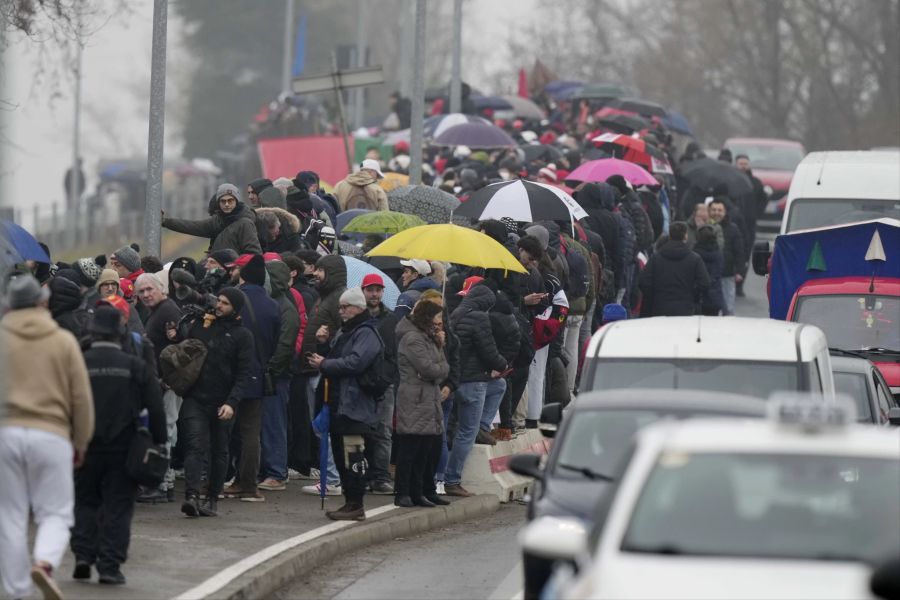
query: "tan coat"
360, 190
46, 380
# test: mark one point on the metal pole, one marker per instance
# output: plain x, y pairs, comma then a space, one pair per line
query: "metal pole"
418, 98
287, 51
455, 69
405, 42
72, 204
339, 93
152, 215
361, 41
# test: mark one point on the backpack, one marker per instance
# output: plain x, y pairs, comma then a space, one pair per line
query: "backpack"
181, 363
379, 375
357, 198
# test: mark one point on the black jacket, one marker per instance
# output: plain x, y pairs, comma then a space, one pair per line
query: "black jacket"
227, 371
505, 329
122, 385
598, 200
326, 311
673, 281
478, 354
262, 316
387, 326
280, 278
712, 301
155, 327
67, 306
733, 252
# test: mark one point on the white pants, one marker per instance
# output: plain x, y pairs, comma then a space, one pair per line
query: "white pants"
36, 474
573, 334
728, 293
536, 374
172, 404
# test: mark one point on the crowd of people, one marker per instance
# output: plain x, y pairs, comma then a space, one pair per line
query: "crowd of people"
229, 361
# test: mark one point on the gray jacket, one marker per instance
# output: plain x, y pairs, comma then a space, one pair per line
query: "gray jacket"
423, 367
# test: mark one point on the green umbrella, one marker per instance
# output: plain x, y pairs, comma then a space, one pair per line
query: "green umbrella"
382, 221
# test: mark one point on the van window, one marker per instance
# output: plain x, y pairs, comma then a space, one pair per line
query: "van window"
815, 383
885, 400
808, 213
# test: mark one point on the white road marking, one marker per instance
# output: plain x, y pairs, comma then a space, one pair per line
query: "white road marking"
229, 574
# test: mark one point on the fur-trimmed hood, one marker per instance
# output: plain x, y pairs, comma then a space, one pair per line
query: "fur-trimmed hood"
288, 221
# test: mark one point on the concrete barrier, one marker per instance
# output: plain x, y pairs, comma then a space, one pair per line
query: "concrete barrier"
487, 467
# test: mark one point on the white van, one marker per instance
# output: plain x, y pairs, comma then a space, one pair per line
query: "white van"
836, 188
754, 357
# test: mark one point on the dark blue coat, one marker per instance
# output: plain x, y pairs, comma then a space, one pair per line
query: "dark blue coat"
265, 329
355, 349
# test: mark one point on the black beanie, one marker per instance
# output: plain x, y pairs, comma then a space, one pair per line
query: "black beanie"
618, 182
254, 271
258, 185
298, 200
235, 296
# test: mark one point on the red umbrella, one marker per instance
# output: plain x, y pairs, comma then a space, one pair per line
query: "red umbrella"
630, 148
523, 84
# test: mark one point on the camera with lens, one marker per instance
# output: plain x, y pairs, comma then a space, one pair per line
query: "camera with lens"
198, 295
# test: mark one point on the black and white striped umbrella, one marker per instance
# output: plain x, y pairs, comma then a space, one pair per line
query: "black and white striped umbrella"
523, 201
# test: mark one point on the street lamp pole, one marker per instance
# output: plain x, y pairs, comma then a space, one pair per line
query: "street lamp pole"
456, 67
74, 180
156, 133
287, 54
418, 98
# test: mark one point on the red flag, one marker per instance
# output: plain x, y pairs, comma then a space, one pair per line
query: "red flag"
523, 84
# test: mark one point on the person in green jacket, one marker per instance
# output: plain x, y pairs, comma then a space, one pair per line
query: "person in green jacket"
233, 225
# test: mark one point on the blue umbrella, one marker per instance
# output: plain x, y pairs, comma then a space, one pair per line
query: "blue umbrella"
344, 218
677, 123
357, 270
19, 245
321, 424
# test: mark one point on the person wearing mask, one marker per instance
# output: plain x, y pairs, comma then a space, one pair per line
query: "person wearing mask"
674, 279
46, 423
420, 421
231, 226
353, 413
207, 413
122, 385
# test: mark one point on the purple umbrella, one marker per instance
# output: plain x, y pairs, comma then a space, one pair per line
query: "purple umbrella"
597, 171
475, 135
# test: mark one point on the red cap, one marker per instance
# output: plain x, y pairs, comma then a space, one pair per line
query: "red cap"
241, 261
468, 283
269, 256
118, 303
372, 279
401, 146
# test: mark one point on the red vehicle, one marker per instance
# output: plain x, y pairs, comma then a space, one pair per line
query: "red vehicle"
773, 162
861, 314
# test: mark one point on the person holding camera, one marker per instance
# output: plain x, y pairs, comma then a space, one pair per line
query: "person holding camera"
122, 385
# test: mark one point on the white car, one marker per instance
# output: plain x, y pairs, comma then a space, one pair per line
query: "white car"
798, 506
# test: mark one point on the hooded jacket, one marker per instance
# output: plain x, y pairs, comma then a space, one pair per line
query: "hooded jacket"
423, 367
733, 247
673, 282
66, 306
478, 352
227, 371
56, 397
505, 328
272, 197
712, 301
262, 316
288, 239
236, 231
354, 350
280, 276
326, 311
599, 200
360, 190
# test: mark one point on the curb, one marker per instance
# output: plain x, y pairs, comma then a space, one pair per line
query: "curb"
266, 579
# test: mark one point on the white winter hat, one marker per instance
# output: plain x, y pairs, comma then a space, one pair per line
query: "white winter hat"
354, 297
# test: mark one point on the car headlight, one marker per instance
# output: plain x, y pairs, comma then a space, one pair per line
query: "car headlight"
768, 190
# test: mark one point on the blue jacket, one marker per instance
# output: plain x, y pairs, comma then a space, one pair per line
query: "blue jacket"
354, 350
265, 332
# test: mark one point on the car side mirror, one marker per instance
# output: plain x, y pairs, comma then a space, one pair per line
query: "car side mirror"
527, 465
762, 252
555, 538
551, 417
894, 416
885, 581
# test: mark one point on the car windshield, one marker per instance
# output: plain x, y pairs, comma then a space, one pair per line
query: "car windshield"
809, 213
853, 322
768, 506
752, 378
776, 158
597, 439
855, 386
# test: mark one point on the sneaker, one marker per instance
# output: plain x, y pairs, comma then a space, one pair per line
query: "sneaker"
270, 484
348, 512
209, 509
485, 438
153, 496
254, 496
191, 506
82, 570
382, 488
316, 490
440, 488
294, 474
42, 576
114, 578
455, 489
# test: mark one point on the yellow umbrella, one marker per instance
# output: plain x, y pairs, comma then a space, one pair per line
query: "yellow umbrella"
449, 243
392, 181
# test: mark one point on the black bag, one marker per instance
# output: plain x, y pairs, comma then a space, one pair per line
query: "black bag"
379, 376
146, 462
181, 364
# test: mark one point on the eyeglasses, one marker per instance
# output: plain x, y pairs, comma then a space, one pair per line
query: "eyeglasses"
344, 306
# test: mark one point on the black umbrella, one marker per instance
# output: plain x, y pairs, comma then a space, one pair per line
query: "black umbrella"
523, 201
430, 204
636, 105
625, 124
707, 173
541, 152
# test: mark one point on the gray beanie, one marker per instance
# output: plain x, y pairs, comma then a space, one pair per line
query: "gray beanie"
227, 189
24, 291
541, 233
354, 297
129, 259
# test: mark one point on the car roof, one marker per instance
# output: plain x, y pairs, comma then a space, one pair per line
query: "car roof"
720, 338
847, 174
753, 436
850, 364
884, 286
674, 401
763, 142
